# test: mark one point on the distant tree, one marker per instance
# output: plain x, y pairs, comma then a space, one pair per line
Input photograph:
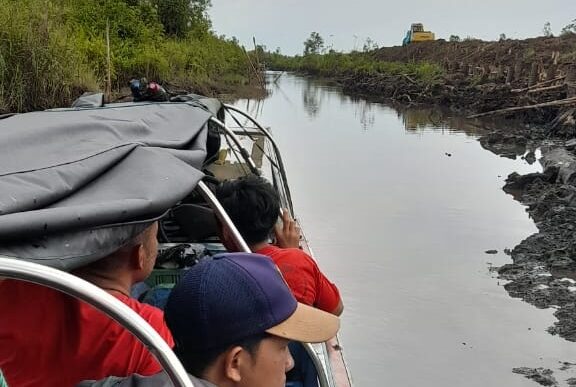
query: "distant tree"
277, 51
180, 17
454, 38
569, 29
547, 30
314, 44
369, 45
502, 37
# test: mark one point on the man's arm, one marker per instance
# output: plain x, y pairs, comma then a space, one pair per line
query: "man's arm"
328, 296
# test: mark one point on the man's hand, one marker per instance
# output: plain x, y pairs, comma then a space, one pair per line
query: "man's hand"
287, 235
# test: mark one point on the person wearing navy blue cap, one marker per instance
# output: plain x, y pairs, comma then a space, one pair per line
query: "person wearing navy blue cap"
232, 318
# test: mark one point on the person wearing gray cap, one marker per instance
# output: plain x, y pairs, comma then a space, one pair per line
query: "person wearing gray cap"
232, 318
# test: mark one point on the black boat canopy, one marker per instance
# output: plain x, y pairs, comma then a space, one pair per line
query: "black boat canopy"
75, 184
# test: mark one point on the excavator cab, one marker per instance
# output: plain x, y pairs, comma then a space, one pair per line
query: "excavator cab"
417, 27
417, 34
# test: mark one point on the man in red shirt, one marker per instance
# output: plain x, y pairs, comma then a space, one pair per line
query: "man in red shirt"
50, 339
254, 207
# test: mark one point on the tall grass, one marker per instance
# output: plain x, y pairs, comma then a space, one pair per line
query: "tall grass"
39, 65
336, 64
53, 50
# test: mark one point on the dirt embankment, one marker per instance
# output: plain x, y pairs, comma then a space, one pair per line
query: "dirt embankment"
485, 76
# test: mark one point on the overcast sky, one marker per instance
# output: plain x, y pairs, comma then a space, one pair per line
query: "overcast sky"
347, 24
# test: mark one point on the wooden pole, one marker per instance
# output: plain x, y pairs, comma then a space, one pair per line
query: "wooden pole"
254, 69
260, 66
109, 64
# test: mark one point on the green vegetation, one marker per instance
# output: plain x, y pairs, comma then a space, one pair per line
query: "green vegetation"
569, 29
335, 65
53, 50
547, 30
314, 44
319, 61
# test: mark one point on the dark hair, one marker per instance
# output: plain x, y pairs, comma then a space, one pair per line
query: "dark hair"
252, 204
196, 363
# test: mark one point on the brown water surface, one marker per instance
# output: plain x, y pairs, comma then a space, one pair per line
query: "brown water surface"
400, 208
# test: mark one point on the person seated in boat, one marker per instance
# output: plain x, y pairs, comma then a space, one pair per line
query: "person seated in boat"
48, 338
232, 318
254, 207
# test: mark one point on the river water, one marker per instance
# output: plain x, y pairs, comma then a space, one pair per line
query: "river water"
399, 208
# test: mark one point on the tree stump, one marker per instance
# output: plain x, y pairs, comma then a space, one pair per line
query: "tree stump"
571, 81
509, 75
518, 71
533, 78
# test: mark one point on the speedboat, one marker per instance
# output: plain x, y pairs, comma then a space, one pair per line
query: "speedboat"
74, 182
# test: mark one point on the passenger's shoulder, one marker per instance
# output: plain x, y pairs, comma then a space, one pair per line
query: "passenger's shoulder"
296, 257
159, 380
297, 252
147, 311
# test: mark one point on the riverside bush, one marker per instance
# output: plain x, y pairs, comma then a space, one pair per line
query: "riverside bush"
53, 50
335, 64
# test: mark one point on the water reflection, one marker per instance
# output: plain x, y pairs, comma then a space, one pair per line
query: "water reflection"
254, 106
364, 111
312, 99
402, 229
316, 94
422, 119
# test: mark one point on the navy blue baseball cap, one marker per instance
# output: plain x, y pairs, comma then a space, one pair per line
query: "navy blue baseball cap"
237, 295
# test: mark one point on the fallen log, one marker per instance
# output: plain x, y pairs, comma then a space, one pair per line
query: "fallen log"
559, 102
555, 87
408, 78
538, 85
564, 118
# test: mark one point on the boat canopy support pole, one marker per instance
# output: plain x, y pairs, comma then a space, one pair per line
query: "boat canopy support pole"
223, 216
236, 141
276, 150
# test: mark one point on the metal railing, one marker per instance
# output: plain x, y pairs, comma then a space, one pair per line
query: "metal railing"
108, 304
278, 156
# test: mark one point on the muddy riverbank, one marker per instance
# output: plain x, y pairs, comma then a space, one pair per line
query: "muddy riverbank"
489, 77
478, 76
543, 268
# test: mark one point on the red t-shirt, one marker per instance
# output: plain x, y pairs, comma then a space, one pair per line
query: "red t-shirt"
304, 278
50, 339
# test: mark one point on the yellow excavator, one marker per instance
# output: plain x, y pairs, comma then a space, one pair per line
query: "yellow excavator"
417, 34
